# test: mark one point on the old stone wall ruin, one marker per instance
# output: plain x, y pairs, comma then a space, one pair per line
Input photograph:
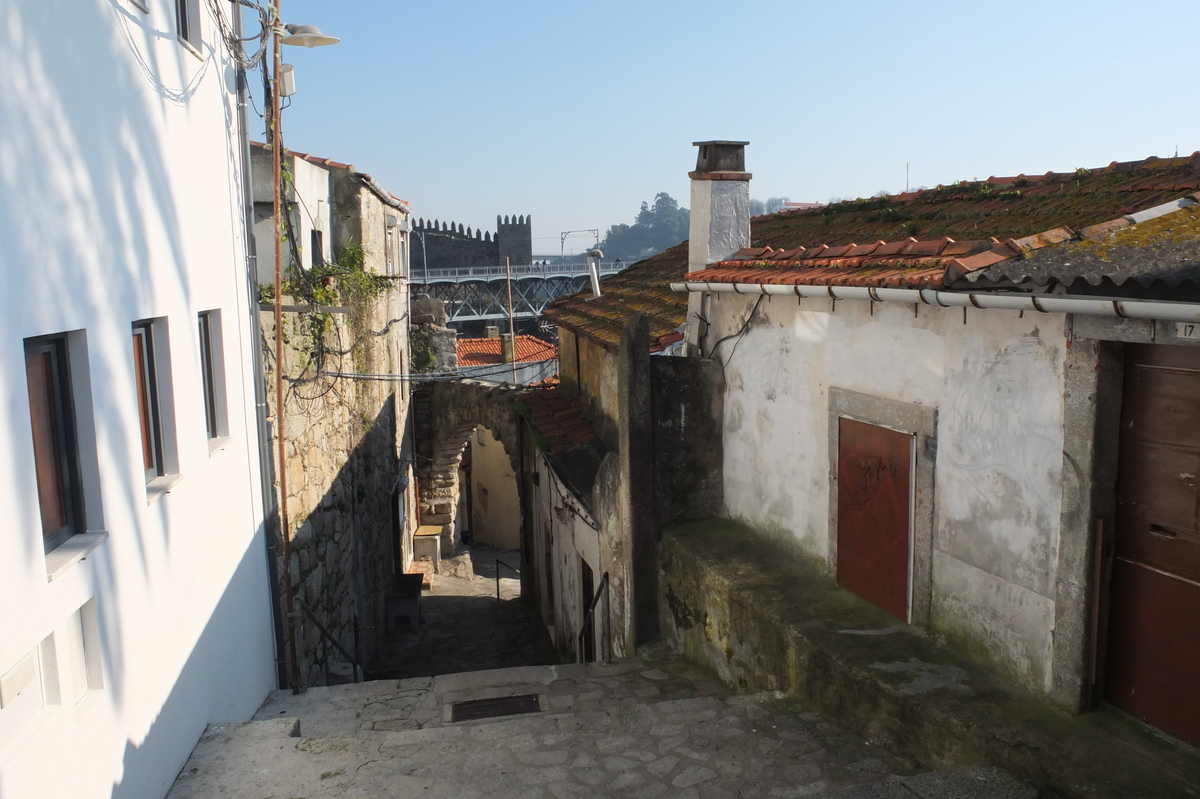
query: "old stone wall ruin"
347, 486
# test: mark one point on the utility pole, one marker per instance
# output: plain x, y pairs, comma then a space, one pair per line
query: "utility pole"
285, 532
512, 332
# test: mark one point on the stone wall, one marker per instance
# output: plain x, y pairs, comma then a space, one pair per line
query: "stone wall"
446, 413
343, 469
446, 245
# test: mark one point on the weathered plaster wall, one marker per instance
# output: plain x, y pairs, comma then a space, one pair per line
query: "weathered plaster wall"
996, 383
568, 358
573, 538
598, 384
495, 508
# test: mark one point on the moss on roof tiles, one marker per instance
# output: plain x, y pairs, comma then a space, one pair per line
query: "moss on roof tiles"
1013, 207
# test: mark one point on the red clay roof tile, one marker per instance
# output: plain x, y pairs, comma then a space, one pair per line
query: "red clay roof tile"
960, 228
481, 351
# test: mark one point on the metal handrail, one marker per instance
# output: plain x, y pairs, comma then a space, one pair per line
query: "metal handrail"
512, 569
522, 270
328, 636
589, 619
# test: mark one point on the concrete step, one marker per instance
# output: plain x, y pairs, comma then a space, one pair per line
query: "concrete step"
642, 728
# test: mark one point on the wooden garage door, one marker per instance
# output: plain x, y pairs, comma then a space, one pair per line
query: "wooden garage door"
1154, 619
873, 521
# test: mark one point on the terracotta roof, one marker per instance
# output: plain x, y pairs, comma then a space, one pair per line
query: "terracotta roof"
560, 417
926, 238
481, 351
645, 286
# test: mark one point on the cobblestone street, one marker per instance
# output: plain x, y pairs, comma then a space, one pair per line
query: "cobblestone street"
644, 728
465, 628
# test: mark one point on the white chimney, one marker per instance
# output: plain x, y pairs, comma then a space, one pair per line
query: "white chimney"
720, 216
720, 212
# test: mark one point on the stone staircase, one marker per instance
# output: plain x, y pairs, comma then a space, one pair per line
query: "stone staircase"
643, 728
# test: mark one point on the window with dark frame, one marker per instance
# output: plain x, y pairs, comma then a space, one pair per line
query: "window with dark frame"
317, 242
187, 21
147, 397
55, 449
208, 373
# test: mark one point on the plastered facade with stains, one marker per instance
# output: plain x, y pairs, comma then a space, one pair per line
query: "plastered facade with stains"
995, 381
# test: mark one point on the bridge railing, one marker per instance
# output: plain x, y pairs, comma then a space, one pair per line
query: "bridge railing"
421, 275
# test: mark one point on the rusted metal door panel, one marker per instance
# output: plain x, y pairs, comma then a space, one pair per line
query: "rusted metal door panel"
1153, 664
873, 521
1154, 655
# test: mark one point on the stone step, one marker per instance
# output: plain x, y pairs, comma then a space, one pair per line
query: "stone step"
638, 728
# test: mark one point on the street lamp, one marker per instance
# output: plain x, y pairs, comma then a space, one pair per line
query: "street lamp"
306, 36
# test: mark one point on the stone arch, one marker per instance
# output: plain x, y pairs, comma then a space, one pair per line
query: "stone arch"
452, 410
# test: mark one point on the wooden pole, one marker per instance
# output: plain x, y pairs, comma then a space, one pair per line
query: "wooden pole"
512, 333
289, 609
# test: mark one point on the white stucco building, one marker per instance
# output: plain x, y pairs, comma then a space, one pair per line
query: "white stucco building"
979, 422
134, 595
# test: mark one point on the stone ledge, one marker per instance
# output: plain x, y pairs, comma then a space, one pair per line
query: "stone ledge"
765, 619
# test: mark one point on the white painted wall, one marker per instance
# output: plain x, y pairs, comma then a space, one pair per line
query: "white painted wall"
574, 538
120, 201
495, 506
996, 382
309, 196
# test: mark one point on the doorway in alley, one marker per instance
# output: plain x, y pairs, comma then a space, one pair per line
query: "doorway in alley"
587, 590
1153, 663
874, 519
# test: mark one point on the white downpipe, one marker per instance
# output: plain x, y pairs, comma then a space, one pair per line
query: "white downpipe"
1041, 303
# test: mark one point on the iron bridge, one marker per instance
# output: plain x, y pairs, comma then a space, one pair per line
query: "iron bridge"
475, 293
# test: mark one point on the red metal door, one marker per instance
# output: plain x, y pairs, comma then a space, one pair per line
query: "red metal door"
1153, 665
873, 522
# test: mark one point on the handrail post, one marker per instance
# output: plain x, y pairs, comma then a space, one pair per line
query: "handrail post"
357, 651
607, 630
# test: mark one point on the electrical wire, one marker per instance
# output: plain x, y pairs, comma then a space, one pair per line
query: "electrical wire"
234, 44
712, 353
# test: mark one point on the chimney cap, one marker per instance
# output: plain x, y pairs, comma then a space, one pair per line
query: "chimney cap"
721, 156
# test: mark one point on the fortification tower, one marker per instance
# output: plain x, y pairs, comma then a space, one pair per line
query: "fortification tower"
515, 235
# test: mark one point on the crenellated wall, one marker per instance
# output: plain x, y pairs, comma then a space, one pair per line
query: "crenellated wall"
445, 245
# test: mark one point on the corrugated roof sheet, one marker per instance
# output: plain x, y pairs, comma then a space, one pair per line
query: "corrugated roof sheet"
481, 351
1157, 258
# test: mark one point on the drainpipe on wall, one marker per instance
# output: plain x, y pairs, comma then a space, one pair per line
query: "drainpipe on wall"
266, 456
720, 217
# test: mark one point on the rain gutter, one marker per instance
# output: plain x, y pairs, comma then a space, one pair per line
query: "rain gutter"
1041, 303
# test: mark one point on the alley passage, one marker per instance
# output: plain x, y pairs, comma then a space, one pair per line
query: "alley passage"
644, 728
465, 628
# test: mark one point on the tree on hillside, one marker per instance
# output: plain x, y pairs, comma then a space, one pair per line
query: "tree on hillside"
656, 228
768, 206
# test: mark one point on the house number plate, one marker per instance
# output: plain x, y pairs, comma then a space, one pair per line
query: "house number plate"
1187, 330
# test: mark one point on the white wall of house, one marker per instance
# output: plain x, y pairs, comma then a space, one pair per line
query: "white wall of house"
120, 201
995, 380
573, 539
495, 506
309, 196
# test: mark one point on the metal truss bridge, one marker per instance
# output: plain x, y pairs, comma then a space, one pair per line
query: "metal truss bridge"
474, 293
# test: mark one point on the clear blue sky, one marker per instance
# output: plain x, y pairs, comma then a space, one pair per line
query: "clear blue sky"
577, 112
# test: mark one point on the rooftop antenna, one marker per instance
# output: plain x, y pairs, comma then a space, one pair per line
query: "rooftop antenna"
906, 177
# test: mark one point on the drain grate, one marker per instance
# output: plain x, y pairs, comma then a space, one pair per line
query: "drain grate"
494, 708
